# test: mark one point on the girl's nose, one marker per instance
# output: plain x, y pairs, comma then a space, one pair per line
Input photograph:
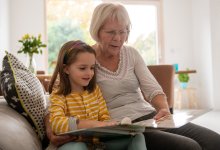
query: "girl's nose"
90, 72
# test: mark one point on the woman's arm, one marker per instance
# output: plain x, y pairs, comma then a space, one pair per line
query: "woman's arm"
150, 88
159, 102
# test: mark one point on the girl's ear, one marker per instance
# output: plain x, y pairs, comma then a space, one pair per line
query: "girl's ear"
66, 69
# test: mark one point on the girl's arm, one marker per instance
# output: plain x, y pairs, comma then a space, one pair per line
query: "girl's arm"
59, 122
103, 116
92, 123
56, 140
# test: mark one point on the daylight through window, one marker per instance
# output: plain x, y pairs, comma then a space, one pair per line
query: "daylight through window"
70, 19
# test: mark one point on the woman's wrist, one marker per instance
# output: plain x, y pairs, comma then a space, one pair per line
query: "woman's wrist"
159, 102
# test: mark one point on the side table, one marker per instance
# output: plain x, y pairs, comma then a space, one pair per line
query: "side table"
185, 98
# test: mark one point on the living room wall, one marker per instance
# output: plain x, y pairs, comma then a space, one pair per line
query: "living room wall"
215, 35
4, 28
19, 18
191, 32
190, 38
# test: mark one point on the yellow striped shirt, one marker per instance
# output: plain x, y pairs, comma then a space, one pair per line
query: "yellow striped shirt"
90, 106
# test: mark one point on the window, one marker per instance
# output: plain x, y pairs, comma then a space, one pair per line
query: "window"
70, 19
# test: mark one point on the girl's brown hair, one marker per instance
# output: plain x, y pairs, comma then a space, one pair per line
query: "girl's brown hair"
67, 56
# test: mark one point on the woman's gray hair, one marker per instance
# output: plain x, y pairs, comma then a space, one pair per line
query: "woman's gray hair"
104, 11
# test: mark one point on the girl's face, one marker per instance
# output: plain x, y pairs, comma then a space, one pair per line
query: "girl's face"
112, 37
81, 71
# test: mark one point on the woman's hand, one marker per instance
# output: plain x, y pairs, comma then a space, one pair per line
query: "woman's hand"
162, 113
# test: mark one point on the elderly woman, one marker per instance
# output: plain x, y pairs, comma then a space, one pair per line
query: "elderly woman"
130, 90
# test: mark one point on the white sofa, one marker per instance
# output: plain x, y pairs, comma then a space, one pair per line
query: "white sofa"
15, 131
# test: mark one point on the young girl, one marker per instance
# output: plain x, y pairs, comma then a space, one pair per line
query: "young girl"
77, 102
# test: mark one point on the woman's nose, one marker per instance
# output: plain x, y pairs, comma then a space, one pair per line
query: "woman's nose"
117, 36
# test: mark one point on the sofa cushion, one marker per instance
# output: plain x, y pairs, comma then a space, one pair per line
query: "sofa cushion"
23, 92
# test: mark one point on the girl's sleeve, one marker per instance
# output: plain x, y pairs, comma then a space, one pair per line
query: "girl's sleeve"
58, 119
103, 110
148, 84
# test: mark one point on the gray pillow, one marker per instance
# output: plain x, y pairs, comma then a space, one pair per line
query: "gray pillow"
23, 92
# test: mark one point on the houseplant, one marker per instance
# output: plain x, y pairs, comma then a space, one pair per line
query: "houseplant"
31, 45
184, 79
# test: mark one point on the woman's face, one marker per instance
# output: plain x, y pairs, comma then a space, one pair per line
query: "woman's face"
112, 36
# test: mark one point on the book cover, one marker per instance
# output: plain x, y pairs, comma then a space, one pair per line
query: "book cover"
108, 131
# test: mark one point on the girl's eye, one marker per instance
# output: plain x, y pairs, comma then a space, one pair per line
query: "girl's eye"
92, 68
83, 68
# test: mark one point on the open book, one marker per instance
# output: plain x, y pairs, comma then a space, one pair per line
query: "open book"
172, 121
108, 131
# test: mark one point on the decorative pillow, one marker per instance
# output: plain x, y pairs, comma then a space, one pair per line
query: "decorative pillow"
23, 92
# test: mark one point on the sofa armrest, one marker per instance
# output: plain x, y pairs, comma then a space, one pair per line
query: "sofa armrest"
15, 131
164, 75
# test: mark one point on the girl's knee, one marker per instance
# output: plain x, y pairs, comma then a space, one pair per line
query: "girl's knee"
73, 145
139, 137
138, 143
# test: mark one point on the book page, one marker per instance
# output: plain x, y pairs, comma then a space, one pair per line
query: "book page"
172, 121
166, 122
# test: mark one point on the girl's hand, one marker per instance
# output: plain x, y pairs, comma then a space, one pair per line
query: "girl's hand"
59, 140
162, 113
108, 123
92, 123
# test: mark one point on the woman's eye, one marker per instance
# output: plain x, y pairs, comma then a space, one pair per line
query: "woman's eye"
111, 32
122, 32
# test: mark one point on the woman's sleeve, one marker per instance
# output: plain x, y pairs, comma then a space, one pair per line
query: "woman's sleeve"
148, 84
59, 122
103, 110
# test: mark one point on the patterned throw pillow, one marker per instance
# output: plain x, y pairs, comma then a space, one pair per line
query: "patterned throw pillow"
23, 92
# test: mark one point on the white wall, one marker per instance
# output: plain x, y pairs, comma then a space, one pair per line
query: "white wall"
178, 36
189, 41
25, 16
4, 28
203, 51
177, 20
215, 35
